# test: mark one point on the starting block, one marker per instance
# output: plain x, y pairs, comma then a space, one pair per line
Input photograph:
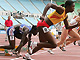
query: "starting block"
5, 54
42, 49
1, 49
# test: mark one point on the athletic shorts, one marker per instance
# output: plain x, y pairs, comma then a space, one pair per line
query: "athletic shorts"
68, 30
10, 31
40, 23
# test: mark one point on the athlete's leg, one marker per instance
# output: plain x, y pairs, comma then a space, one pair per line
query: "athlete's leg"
75, 37
63, 36
11, 42
21, 45
47, 38
77, 32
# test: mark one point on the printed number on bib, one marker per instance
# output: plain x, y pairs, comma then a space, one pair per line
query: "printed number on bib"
45, 29
11, 37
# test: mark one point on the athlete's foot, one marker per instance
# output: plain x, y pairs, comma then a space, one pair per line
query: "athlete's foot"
78, 44
62, 48
6, 39
27, 57
18, 55
50, 51
15, 52
32, 46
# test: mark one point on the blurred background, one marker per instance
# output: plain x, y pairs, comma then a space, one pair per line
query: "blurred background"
25, 11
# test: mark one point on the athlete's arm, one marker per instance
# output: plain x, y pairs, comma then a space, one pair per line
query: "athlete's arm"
60, 9
67, 25
29, 36
24, 35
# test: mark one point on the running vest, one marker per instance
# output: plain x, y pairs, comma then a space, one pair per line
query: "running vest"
22, 26
56, 17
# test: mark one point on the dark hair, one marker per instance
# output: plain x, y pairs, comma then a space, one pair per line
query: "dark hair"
34, 27
63, 5
67, 3
79, 13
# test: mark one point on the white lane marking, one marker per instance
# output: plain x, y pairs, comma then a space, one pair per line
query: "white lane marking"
41, 53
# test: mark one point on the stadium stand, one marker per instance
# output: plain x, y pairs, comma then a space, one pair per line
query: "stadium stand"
5, 5
46, 2
23, 21
29, 6
1, 9
39, 5
50, 10
2, 21
16, 5
31, 19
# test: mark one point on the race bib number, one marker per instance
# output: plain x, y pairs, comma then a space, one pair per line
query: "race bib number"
11, 37
73, 22
45, 29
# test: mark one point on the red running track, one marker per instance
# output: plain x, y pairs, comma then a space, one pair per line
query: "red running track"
72, 53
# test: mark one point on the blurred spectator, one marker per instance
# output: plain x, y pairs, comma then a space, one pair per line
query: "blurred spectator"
8, 23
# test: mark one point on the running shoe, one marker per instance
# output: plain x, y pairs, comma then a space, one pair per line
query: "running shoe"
27, 57
62, 48
32, 46
6, 39
74, 42
78, 43
51, 52
17, 54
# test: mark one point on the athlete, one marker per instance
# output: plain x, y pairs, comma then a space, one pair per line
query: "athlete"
74, 36
72, 32
20, 31
46, 38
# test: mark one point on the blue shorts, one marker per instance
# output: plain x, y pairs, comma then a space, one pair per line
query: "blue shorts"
10, 31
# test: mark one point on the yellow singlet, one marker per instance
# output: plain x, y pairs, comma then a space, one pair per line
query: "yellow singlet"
56, 18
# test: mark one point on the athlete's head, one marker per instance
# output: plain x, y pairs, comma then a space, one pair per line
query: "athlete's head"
34, 30
69, 5
9, 17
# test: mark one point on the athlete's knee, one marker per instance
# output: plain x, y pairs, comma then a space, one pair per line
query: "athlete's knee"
54, 46
12, 47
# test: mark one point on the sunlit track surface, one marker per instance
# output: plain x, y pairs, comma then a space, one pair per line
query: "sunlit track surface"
72, 52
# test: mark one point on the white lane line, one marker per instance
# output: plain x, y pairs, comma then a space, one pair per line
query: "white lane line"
38, 53
5, 58
20, 58
70, 55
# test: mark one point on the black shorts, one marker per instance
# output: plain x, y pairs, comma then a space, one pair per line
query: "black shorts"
19, 36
